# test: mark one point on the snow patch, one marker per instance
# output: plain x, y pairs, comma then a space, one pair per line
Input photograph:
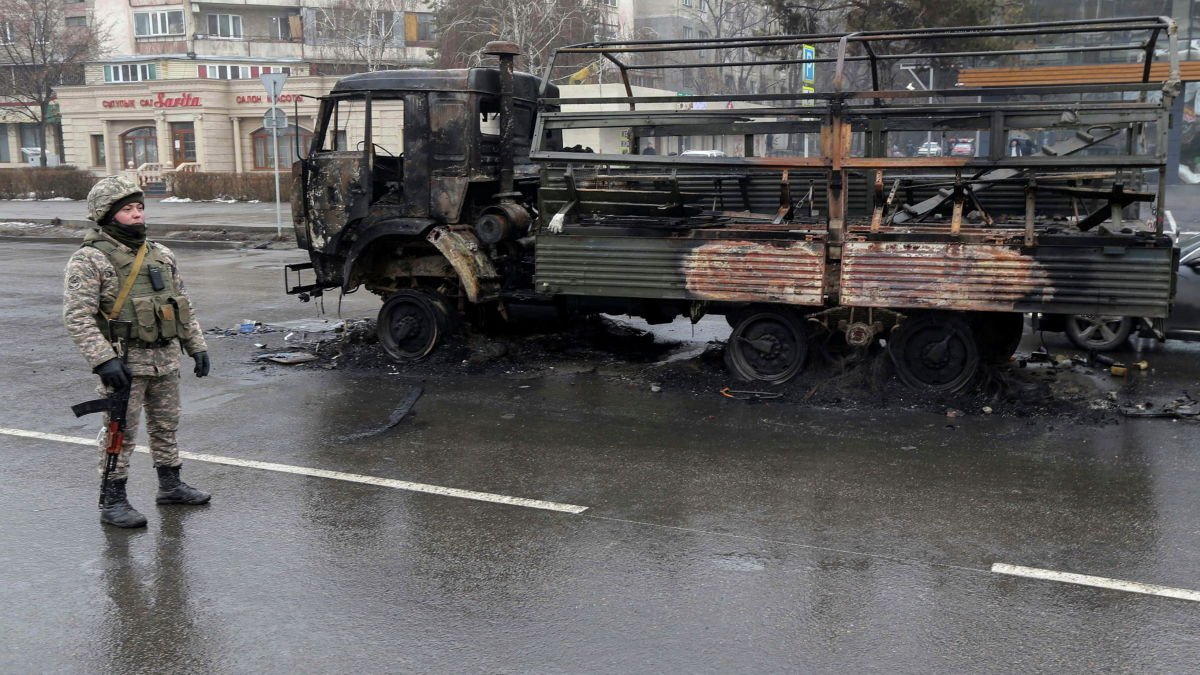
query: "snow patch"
175, 200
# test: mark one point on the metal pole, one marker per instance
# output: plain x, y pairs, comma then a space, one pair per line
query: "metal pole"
275, 148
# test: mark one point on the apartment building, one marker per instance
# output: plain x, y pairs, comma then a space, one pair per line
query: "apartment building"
19, 138
179, 87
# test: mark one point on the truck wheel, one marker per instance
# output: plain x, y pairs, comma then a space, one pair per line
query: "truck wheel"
769, 345
1097, 332
934, 353
411, 325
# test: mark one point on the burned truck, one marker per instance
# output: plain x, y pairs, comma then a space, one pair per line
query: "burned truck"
810, 222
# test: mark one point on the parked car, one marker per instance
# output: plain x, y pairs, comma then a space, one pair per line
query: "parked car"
702, 153
930, 149
1105, 333
962, 149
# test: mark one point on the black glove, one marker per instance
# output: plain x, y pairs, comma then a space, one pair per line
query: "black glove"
113, 373
201, 363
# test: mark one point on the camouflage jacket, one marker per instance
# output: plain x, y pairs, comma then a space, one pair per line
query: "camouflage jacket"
90, 278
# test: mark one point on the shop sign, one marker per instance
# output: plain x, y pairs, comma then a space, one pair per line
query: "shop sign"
160, 100
263, 99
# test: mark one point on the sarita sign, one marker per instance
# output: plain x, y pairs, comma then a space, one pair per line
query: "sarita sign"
161, 100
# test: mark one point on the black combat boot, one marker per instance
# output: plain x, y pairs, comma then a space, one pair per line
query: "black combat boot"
171, 490
116, 510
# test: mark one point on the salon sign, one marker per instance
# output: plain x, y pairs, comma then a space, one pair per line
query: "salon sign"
159, 100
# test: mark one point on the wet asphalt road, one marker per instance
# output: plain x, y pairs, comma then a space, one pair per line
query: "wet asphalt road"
718, 536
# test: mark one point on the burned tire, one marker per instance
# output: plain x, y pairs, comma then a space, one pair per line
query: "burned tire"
934, 353
411, 324
997, 335
1097, 332
770, 346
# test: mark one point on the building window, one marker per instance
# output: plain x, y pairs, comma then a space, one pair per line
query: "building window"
281, 28
686, 3
183, 142
610, 3
688, 33
6, 33
419, 27
264, 158
238, 72
4, 156
153, 24
225, 72
134, 72
29, 135
139, 146
426, 30
99, 156
75, 21
228, 26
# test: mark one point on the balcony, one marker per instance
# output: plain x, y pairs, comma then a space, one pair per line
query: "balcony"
250, 47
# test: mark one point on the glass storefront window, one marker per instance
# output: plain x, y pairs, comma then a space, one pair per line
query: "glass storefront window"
139, 146
29, 136
264, 158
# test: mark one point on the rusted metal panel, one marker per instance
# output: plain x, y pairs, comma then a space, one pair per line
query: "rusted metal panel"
1125, 280
728, 270
475, 270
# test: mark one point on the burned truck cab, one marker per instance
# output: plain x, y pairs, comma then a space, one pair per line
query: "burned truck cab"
418, 185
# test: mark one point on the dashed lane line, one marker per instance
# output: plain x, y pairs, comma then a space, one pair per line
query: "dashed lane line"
1098, 582
323, 473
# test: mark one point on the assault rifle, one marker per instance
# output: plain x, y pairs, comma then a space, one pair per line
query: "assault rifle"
115, 404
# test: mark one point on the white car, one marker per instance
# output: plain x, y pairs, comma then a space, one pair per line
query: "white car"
702, 153
930, 149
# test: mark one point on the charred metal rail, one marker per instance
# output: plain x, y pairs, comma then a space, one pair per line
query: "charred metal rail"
995, 231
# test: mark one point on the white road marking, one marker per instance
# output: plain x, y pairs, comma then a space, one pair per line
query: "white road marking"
1171, 220
1099, 582
322, 473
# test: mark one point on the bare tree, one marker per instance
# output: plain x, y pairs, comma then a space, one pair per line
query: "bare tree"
45, 52
537, 26
369, 33
728, 19
814, 16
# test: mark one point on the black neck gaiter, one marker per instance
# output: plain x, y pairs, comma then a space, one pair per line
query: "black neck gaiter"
132, 236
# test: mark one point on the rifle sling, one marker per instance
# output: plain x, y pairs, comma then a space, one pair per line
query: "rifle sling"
128, 285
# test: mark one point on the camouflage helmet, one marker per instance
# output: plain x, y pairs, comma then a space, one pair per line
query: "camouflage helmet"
106, 192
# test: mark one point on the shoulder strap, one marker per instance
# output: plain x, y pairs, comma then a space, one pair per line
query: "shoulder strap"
128, 285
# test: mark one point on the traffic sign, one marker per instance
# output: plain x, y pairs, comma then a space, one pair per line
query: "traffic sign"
273, 83
809, 74
275, 118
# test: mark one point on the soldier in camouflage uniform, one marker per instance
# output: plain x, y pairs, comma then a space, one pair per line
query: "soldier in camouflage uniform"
157, 304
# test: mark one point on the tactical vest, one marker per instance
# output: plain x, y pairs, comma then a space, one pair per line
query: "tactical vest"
158, 317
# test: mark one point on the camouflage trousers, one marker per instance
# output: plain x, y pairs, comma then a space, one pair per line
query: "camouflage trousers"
159, 397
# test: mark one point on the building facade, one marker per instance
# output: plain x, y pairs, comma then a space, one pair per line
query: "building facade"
179, 86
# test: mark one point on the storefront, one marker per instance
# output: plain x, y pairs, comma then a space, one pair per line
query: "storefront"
201, 124
19, 144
